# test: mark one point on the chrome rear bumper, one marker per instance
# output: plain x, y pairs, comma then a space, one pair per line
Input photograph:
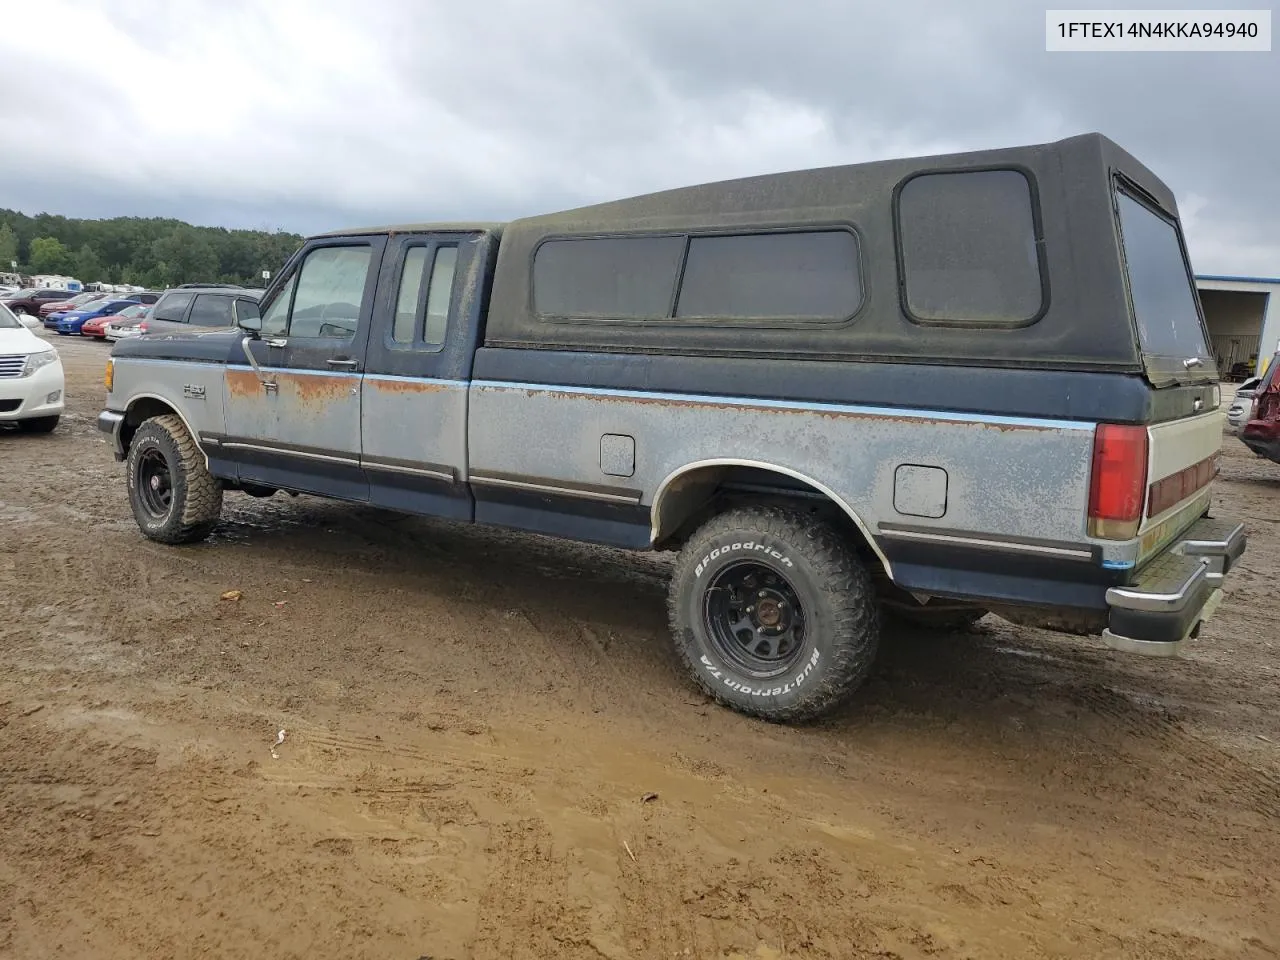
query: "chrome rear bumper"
1176, 592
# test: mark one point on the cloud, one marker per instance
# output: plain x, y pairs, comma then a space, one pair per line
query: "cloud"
314, 114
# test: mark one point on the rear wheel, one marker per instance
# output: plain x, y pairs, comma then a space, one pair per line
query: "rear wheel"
19, 311
39, 424
174, 497
773, 613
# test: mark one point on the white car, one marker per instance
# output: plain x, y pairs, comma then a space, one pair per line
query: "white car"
117, 330
1242, 404
32, 385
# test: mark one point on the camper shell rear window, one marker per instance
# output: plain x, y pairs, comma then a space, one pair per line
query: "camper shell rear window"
1162, 291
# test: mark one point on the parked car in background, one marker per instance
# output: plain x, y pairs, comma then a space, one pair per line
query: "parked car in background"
31, 300
1261, 431
83, 299
1238, 412
31, 378
70, 323
131, 315
126, 323
96, 327
72, 303
182, 308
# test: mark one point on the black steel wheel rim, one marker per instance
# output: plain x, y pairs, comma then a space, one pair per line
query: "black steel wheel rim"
155, 484
755, 619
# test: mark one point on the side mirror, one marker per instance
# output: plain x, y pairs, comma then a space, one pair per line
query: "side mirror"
250, 323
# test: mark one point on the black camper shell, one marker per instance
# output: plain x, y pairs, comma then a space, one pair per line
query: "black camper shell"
997, 259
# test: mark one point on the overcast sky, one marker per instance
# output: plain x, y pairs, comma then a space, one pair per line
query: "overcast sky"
317, 114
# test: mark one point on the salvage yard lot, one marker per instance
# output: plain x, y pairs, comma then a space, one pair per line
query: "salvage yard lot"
472, 720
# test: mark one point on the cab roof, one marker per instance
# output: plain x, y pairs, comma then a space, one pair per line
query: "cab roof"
393, 229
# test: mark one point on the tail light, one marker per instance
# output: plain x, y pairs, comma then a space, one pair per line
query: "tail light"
142, 327
1264, 406
1118, 483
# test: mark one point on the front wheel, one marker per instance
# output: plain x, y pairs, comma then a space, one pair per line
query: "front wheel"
773, 613
174, 497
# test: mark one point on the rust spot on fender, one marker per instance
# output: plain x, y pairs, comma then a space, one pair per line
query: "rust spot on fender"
243, 384
403, 386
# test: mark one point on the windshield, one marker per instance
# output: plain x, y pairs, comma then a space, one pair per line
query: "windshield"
1164, 298
132, 312
20, 294
1267, 382
7, 320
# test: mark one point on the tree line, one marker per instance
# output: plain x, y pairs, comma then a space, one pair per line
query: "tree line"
150, 252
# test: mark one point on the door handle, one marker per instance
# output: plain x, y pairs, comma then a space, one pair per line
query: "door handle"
343, 363
268, 385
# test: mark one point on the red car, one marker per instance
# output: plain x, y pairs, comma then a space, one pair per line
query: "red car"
84, 299
71, 303
1261, 433
97, 327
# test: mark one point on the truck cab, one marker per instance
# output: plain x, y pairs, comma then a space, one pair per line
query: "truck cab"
931, 388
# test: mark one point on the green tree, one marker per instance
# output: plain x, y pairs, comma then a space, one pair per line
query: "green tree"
8, 246
188, 256
87, 266
153, 251
48, 255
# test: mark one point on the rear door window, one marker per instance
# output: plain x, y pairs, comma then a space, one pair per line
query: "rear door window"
1161, 290
173, 308
212, 311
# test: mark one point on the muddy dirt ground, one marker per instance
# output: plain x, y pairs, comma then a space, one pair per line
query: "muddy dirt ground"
473, 718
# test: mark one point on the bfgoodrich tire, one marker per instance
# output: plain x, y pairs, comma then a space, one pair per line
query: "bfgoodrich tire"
773, 614
174, 497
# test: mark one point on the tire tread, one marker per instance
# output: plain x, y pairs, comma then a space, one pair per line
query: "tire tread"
202, 494
845, 582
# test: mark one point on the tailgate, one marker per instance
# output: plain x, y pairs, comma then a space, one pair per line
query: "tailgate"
1181, 466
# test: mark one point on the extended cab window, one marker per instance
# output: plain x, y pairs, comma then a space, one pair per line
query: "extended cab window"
606, 278
435, 266
1160, 284
323, 298
968, 249
800, 276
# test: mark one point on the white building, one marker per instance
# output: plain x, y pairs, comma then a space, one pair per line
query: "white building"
1243, 315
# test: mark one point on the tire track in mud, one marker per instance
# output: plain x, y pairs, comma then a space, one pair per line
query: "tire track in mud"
1188, 755
525, 911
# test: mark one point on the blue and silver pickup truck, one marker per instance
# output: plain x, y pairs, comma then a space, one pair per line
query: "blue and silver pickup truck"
933, 388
